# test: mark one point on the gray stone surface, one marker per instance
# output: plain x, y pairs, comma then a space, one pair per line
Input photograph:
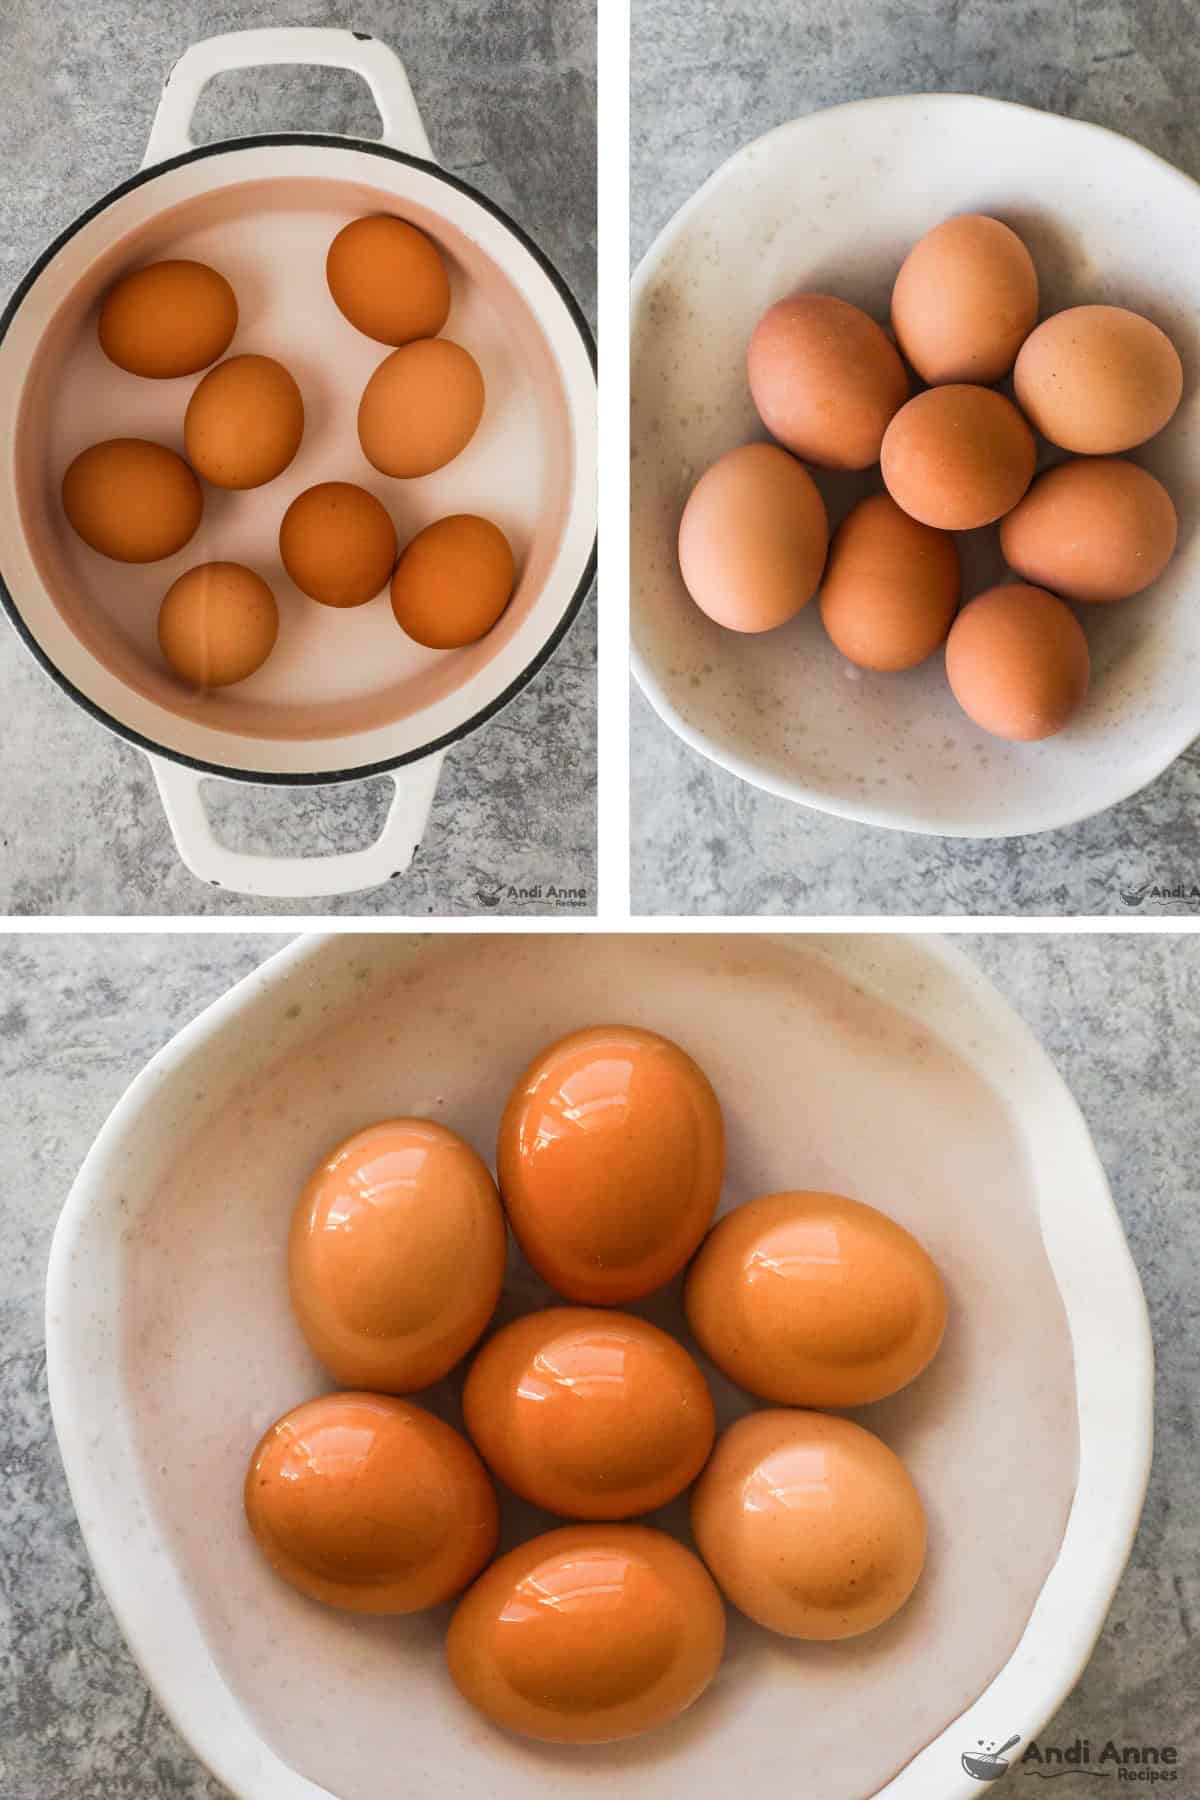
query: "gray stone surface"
80, 1015
507, 92
708, 76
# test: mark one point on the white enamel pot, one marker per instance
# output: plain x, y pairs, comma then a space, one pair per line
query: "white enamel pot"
833, 202
344, 695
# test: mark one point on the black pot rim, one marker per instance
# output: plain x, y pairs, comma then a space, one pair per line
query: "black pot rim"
330, 777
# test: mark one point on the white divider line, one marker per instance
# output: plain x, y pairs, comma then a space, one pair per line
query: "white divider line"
612, 673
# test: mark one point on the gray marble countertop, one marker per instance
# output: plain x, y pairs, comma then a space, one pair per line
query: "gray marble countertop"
507, 93
79, 1016
710, 75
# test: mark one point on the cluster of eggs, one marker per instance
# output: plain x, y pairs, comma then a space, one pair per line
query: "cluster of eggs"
137, 501
610, 1161
832, 389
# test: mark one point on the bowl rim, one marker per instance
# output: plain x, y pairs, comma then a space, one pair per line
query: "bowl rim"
895, 818
574, 603
1114, 1389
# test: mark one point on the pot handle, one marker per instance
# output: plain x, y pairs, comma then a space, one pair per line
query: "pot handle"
297, 877
323, 47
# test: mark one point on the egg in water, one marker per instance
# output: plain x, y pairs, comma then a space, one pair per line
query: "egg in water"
168, 319
610, 1157
421, 408
453, 582
338, 544
396, 1255
588, 1635
132, 500
589, 1414
810, 1525
812, 1299
217, 624
244, 422
388, 279
370, 1504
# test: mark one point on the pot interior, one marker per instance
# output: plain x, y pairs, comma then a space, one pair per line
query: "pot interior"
333, 675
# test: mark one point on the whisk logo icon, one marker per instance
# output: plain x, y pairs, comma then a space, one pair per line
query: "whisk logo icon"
987, 1763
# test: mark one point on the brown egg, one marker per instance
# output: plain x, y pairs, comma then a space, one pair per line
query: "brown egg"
1098, 530
337, 544
610, 1158
396, 1255
890, 586
587, 1635
388, 279
810, 1525
965, 300
815, 1300
170, 318
244, 422
1098, 379
453, 582
217, 624
421, 408
1017, 662
132, 500
958, 457
826, 379
753, 538
594, 1415
370, 1504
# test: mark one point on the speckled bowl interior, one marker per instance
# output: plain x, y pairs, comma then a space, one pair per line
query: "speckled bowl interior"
833, 202
879, 1066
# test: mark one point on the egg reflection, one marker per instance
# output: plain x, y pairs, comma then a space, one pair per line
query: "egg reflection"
370, 1504
594, 1415
610, 1156
588, 1634
810, 1524
396, 1255
815, 1300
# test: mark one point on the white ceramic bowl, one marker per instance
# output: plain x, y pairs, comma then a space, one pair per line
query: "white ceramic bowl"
884, 1066
833, 202
344, 694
